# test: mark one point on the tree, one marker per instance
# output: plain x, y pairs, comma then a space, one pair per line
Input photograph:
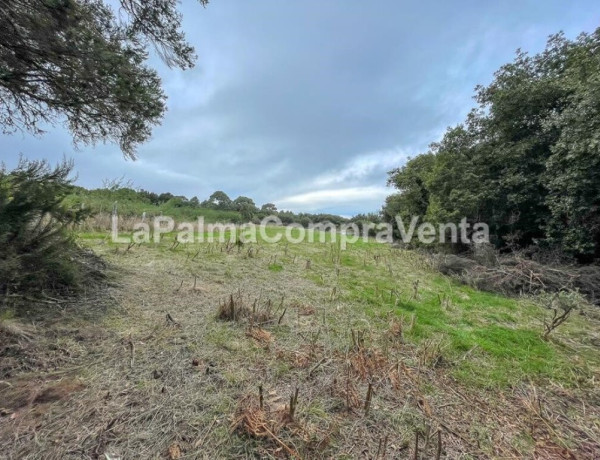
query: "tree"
150, 197
218, 200
244, 201
413, 197
164, 197
411, 180
74, 60
246, 210
526, 161
366, 222
177, 202
572, 174
245, 206
269, 208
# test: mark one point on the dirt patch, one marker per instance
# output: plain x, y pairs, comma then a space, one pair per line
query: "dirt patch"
20, 393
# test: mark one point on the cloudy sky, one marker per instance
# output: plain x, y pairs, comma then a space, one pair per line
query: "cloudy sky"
309, 103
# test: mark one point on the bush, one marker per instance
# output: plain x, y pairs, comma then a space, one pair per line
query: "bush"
561, 304
37, 247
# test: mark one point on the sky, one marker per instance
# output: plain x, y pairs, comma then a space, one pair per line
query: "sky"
308, 104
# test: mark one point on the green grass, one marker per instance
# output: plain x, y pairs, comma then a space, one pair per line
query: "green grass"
476, 358
489, 340
458, 345
492, 341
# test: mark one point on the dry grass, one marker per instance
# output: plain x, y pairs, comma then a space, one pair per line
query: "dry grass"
288, 371
268, 419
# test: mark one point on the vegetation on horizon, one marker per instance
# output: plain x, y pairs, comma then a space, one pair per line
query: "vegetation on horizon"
217, 208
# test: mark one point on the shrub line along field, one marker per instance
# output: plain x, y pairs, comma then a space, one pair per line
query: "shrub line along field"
223, 350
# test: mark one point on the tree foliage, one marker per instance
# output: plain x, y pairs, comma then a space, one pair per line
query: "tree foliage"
80, 62
245, 206
218, 200
526, 160
269, 208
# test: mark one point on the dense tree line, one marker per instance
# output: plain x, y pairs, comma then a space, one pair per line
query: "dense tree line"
241, 209
527, 158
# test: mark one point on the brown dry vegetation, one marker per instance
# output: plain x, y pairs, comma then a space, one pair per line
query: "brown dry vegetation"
154, 366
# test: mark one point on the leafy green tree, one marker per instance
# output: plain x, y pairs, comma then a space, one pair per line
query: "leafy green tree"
177, 202
366, 222
269, 208
246, 210
392, 207
244, 201
218, 200
150, 197
572, 174
286, 217
413, 198
74, 60
165, 197
246, 207
526, 161
458, 183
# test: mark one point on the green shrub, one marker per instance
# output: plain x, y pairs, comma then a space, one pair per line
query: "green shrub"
37, 248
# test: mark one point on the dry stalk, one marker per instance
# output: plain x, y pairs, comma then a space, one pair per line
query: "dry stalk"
179, 288
368, 399
415, 294
293, 404
171, 321
282, 315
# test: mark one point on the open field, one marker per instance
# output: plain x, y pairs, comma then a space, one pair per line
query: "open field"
213, 350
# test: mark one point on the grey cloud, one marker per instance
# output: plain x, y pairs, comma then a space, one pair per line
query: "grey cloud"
302, 102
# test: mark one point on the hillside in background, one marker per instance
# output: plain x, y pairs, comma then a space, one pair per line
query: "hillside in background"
217, 208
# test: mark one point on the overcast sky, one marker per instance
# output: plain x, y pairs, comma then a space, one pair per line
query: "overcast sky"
309, 103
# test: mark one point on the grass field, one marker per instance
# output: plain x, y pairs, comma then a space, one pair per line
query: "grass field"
213, 350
